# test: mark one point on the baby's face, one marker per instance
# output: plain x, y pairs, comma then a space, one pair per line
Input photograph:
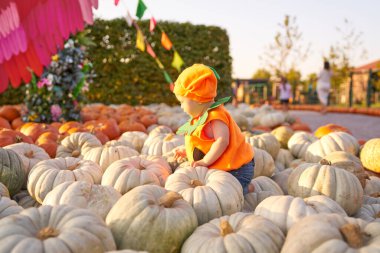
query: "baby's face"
189, 106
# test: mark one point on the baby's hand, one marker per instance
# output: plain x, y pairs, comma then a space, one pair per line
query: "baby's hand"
180, 153
199, 163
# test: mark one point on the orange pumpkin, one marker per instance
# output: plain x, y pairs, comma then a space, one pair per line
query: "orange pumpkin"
329, 128
299, 126
4, 123
128, 125
49, 142
9, 112
65, 127
17, 122
108, 126
34, 130
148, 120
56, 125
9, 136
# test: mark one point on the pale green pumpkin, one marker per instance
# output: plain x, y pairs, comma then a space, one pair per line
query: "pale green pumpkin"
12, 173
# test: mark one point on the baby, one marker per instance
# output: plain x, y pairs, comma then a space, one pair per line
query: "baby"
212, 137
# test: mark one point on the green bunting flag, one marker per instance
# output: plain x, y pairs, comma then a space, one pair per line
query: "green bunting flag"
167, 77
141, 8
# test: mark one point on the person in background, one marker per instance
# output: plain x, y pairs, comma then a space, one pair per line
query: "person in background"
285, 93
324, 85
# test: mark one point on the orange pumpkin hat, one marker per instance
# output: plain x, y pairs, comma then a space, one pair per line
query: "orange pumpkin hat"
197, 83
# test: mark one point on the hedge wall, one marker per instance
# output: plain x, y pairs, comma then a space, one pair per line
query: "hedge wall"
127, 75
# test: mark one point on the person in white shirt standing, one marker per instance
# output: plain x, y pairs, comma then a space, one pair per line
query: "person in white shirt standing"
285, 93
324, 85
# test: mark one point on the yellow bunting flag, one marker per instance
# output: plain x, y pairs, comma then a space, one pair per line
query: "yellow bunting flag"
140, 41
177, 61
165, 41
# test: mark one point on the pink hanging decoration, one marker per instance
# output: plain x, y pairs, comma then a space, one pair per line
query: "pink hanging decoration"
33, 30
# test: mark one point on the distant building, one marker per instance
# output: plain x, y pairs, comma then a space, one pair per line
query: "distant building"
251, 91
360, 83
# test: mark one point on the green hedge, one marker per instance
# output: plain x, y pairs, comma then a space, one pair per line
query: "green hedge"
138, 80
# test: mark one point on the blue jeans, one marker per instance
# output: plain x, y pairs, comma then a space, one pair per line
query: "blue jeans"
244, 174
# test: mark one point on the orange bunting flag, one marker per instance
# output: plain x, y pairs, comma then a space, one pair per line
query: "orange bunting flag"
152, 24
150, 51
140, 41
177, 61
165, 41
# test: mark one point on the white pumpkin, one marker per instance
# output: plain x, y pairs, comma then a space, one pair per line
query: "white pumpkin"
283, 159
55, 229
281, 179
238, 233
285, 211
47, 174
212, 193
372, 186
322, 179
272, 119
332, 233
367, 200
264, 164
135, 138
128, 173
4, 191
160, 130
266, 142
151, 218
77, 144
335, 141
104, 156
8, 207
30, 154
264, 187
24, 199
299, 142
97, 198
161, 144
369, 213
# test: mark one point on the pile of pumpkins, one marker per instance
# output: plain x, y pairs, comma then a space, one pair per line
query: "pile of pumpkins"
312, 191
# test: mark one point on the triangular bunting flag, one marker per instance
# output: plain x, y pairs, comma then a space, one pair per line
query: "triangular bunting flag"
171, 87
165, 41
152, 24
116, 2
167, 77
177, 61
150, 51
141, 7
129, 19
140, 41
159, 63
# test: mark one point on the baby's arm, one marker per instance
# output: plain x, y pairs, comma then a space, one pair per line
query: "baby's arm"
221, 134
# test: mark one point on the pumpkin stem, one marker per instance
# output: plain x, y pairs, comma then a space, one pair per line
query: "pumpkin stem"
375, 195
169, 198
75, 153
46, 233
73, 167
169, 137
324, 162
18, 139
29, 154
195, 183
352, 235
225, 228
378, 215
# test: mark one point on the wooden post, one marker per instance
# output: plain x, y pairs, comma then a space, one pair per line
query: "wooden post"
350, 91
369, 88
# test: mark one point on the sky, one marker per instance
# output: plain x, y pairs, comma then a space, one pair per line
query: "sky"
252, 25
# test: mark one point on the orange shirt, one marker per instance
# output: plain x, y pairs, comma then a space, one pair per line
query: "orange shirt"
238, 151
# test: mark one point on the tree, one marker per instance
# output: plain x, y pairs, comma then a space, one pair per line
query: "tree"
344, 52
288, 50
262, 74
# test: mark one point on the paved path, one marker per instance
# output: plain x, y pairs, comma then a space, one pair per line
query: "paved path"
361, 126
